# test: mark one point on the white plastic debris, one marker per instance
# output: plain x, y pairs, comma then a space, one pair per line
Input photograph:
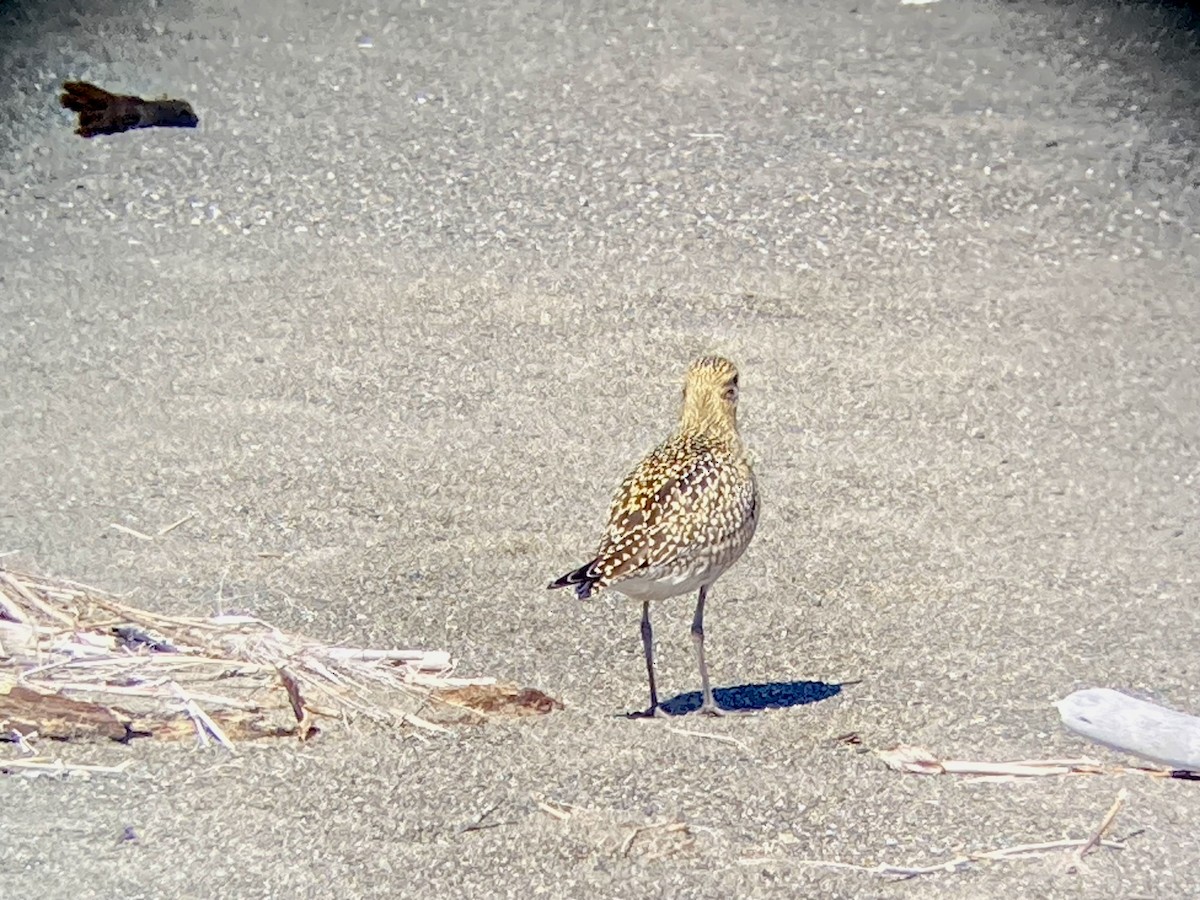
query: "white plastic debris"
1134, 726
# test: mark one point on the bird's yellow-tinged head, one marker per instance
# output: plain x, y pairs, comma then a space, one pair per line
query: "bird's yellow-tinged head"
710, 395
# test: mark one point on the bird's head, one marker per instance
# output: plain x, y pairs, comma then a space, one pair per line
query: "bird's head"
710, 395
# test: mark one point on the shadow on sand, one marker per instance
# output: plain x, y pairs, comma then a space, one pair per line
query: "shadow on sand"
756, 697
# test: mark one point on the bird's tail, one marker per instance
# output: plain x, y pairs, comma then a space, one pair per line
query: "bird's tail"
583, 580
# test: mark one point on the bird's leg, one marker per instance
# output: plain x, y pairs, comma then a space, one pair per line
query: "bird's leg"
708, 705
648, 646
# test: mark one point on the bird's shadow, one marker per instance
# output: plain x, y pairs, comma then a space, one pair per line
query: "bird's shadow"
756, 697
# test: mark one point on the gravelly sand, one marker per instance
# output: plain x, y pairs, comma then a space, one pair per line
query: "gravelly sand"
405, 313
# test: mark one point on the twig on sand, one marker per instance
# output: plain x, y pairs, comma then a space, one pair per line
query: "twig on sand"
304, 718
1106, 823
22, 592
25, 741
43, 765
479, 824
423, 723
654, 833
949, 866
167, 529
11, 612
724, 739
132, 532
203, 721
561, 814
919, 761
437, 660
556, 808
1081, 846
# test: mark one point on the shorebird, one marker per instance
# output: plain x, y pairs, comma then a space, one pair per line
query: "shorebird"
682, 517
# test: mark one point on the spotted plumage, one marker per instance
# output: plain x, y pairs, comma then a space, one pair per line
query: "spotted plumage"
683, 516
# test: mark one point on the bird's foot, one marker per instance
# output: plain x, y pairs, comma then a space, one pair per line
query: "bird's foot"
653, 712
713, 711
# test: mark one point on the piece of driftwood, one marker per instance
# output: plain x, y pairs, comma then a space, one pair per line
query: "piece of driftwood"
51, 715
58, 717
1135, 726
103, 112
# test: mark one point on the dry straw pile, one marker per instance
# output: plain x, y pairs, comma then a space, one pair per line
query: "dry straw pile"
77, 662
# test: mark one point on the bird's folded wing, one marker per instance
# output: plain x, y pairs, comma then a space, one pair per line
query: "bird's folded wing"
656, 517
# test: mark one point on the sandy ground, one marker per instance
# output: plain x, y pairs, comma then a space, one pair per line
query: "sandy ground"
401, 316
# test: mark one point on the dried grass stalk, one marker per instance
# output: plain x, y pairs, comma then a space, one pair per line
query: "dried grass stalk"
919, 761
